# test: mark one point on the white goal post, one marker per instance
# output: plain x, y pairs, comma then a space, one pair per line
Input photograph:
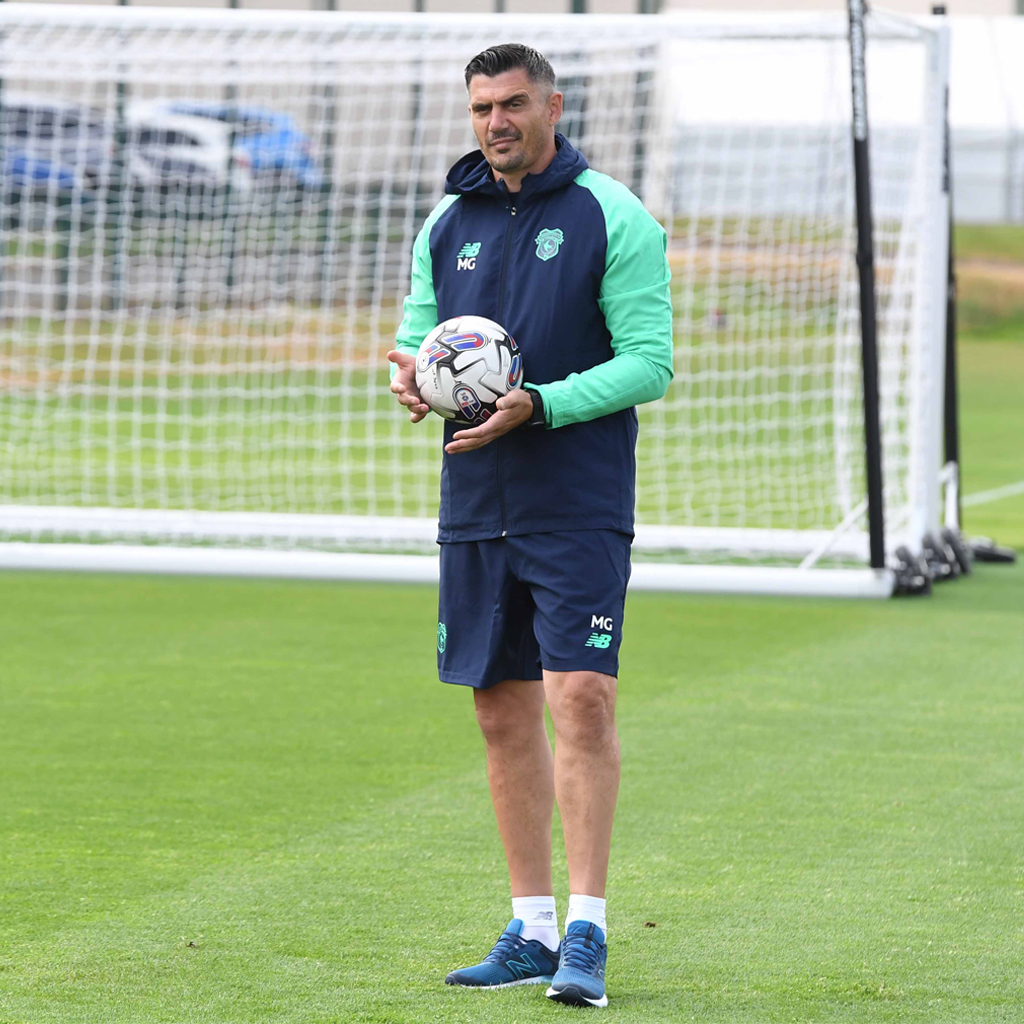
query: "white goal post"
207, 226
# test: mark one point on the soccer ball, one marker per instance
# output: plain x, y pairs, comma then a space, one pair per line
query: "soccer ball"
465, 365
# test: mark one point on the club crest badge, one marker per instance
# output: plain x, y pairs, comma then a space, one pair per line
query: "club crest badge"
548, 242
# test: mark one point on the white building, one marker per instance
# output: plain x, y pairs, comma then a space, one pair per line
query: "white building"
956, 7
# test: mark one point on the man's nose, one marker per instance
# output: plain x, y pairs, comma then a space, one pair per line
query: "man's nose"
498, 121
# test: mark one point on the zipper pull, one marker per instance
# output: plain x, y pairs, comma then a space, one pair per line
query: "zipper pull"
513, 211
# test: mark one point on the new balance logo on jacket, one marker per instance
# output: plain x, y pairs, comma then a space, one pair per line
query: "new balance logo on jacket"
467, 256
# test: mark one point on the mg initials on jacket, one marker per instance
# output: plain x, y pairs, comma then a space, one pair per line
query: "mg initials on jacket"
467, 256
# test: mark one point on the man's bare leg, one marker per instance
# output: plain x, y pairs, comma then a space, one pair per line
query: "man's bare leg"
520, 769
586, 772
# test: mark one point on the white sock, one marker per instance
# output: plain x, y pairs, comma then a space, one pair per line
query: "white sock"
539, 917
586, 908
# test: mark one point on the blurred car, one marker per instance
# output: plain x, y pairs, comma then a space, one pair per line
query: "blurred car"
274, 143
165, 150
66, 151
49, 146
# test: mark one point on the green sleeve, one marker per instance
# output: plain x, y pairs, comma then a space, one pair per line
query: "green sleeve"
420, 307
636, 302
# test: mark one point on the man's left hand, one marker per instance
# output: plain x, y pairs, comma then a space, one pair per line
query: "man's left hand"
514, 409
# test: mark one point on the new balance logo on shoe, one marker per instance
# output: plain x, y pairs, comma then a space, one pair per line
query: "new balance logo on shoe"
520, 968
600, 640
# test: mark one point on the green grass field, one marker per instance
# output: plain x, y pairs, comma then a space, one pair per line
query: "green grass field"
238, 801
252, 802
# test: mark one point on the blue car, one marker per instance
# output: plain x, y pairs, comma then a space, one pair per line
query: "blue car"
50, 146
275, 145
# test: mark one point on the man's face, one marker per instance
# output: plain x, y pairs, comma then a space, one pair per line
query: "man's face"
513, 119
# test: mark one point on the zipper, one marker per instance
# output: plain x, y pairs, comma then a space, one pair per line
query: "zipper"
504, 262
500, 464
500, 455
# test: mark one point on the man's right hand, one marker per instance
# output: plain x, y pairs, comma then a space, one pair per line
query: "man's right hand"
403, 385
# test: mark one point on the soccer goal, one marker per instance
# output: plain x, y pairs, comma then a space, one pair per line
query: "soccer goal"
208, 218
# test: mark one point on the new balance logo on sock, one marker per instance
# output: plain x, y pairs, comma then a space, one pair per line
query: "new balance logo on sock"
544, 915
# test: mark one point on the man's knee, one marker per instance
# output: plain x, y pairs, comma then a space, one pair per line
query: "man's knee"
582, 703
509, 711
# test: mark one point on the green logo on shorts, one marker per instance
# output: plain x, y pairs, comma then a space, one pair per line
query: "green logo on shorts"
442, 637
602, 641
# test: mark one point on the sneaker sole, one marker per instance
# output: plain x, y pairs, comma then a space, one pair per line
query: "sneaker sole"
544, 979
572, 996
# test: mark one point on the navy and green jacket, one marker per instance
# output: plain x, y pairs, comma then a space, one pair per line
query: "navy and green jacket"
574, 268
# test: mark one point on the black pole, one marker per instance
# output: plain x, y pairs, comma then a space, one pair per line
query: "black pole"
325, 241
641, 96
574, 90
419, 200
230, 225
119, 164
866, 268
951, 405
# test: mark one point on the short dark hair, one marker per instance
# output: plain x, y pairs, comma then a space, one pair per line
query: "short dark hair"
496, 60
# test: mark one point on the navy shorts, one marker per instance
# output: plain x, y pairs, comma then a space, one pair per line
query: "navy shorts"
513, 606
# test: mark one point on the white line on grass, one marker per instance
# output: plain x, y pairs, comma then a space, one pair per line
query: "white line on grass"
984, 497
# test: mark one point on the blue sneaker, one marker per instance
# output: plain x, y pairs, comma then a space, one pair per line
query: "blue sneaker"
513, 961
579, 980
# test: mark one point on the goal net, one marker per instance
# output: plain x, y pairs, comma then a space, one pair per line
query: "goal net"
208, 219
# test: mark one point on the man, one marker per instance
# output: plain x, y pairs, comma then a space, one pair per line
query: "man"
536, 513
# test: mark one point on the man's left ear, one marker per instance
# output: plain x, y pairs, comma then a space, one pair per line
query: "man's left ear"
555, 108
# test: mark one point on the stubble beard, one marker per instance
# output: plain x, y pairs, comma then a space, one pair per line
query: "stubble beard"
506, 163
512, 162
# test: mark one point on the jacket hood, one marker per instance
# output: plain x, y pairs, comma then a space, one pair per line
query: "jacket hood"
472, 174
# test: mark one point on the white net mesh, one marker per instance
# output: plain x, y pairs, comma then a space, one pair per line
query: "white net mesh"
208, 224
